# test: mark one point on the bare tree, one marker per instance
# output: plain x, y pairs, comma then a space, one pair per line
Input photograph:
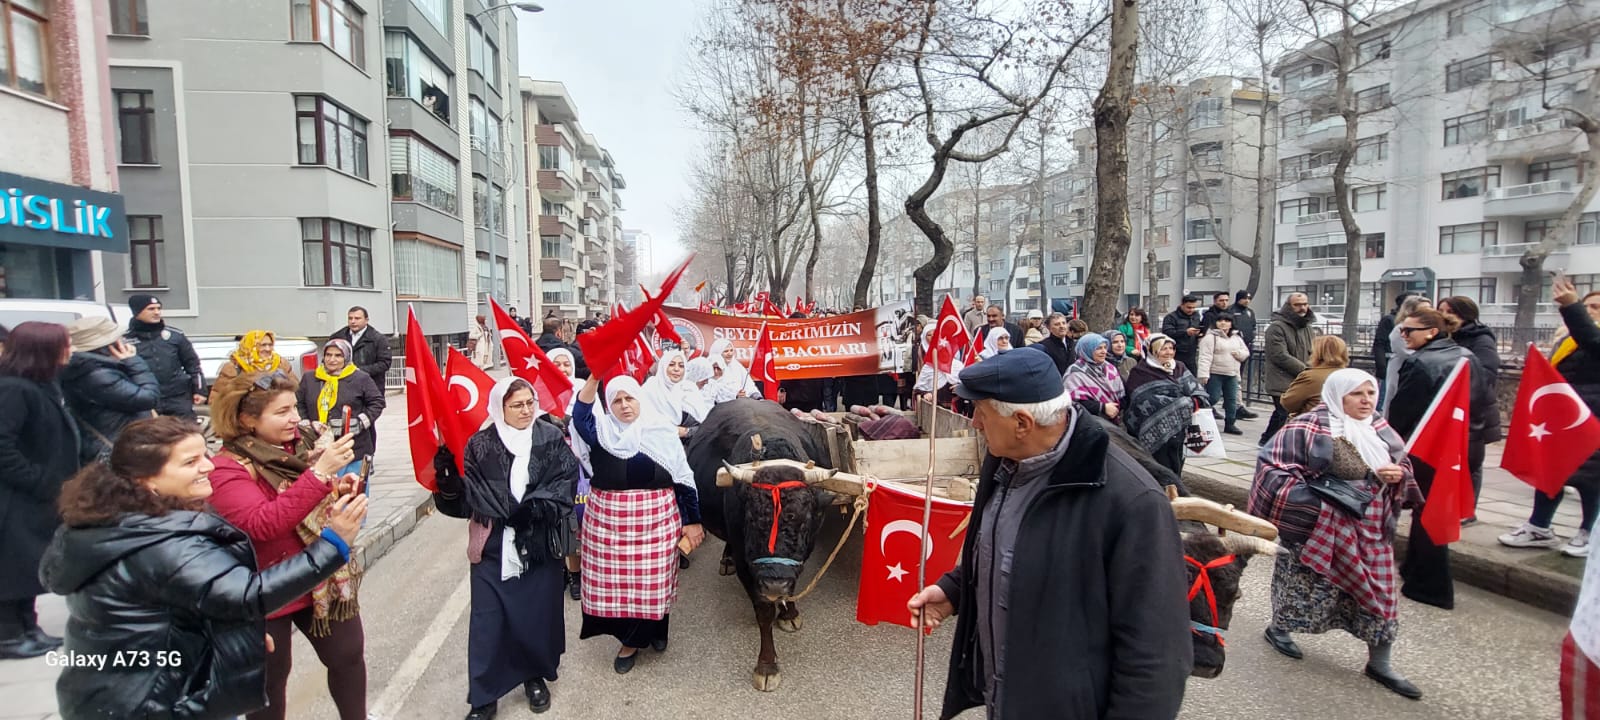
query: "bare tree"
1112, 109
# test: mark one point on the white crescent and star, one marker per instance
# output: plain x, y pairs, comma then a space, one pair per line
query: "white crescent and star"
1559, 389
472, 391
906, 526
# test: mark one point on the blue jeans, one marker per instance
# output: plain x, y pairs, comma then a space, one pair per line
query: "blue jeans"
1544, 507
1225, 388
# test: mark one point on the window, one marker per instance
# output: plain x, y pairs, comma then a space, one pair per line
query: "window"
424, 267
411, 72
1161, 201
24, 25
1469, 183
420, 172
1587, 225
1290, 210
1535, 231
335, 23
1288, 255
1163, 269
1157, 237
1163, 166
1206, 113
1468, 238
1204, 229
492, 57
1372, 149
1328, 294
1295, 121
146, 252
437, 12
1372, 49
1058, 256
479, 119
1459, 16
1206, 154
997, 266
330, 135
1303, 76
1481, 290
128, 17
1058, 280
475, 51
136, 126
1372, 246
1368, 198
996, 287
1468, 128
480, 200
1205, 266
1373, 98
1289, 168
1566, 168
1022, 283
1204, 193
1471, 71
335, 253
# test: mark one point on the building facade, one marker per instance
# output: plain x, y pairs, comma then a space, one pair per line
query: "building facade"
59, 211
1458, 167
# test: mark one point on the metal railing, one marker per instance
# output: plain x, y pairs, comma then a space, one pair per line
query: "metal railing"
1530, 129
1311, 263
1317, 217
1547, 187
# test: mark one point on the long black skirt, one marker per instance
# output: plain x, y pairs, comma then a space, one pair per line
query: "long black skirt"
1425, 571
631, 632
517, 632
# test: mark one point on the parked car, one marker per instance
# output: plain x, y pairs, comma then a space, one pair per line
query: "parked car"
15, 311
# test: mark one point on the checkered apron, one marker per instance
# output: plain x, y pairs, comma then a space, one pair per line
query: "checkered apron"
1356, 556
630, 559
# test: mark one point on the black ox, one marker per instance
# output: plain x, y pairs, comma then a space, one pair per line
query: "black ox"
768, 522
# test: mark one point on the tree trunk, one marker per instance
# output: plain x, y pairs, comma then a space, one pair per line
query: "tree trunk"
1111, 112
1149, 197
927, 274
1264, 187
1531, 281
809, 164
1345, 102
1038, 228
874, 224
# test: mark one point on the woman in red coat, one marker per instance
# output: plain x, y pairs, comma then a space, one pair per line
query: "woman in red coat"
272, 483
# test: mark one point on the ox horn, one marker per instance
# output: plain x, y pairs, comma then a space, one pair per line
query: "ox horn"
738, 473
816, 474
1248, 545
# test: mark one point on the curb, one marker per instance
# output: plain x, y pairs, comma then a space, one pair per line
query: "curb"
378, 539
1469, 563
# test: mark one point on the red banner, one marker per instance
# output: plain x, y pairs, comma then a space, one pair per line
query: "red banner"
862, 343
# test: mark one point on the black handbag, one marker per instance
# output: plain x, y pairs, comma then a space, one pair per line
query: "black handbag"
1341, 495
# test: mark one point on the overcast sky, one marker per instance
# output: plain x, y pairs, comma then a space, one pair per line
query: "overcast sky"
620, 61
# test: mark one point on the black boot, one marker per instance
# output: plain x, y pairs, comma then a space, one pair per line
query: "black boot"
538, 695
575, 586
1232, 429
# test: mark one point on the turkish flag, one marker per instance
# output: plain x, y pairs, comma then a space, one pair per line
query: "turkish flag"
976, 348
604, 347
949, 337
663, 325
767, 308
467, 391
424, 388
1548, 441
763, 367
528, 362
894, 537
1441, 442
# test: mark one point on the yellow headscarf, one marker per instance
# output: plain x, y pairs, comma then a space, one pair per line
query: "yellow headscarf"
248, 356
330, 382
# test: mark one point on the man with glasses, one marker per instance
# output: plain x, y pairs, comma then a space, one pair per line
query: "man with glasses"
1288, 345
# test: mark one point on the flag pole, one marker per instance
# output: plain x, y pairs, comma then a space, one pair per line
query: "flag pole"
927, 516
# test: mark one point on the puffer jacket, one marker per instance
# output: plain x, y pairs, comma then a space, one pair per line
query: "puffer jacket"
104, 395
177, 598
1422, 377
1480, 340
1288, 347
173, 361
1221, 355
1581, 369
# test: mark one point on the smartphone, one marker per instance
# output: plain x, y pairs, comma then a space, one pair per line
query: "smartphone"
346, 426
366, 472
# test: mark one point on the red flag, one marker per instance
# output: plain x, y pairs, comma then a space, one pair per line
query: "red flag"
528, 362
889, 558
605, 346
700, 287
663, 325
1548, 443
467, 392
424, 385
1441, 442
768, 309
974, 350
763, 366
949, 337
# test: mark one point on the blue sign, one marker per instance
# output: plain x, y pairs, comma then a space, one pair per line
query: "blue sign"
40, 212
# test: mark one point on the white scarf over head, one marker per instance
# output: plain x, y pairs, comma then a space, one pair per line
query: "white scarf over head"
1360, 433
991, 342
579, 447
520, 443
1166, 366
673, 399
650, 433
735, 378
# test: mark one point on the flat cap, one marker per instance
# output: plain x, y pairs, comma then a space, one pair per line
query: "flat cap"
1025, 375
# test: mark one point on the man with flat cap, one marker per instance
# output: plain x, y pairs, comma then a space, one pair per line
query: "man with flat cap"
1070, 595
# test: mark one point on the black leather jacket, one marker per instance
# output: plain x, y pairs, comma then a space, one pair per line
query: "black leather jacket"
1423, 375
104, 394
177, 598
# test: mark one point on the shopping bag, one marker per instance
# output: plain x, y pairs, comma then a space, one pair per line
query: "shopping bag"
1202, 438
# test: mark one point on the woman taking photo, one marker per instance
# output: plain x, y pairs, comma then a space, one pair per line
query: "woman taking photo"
106, 384
517, 498
1329, 355
1092, 381
257, 352
1338, 573
336, 385
1137, 330
146, 568
38, 452
642, 499
276, 485
1221, 355
1162, 399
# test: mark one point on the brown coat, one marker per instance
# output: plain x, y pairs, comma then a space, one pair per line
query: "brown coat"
230, 370
1306, 390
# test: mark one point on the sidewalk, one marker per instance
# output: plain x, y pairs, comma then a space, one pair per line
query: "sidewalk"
397, 503
1542, 578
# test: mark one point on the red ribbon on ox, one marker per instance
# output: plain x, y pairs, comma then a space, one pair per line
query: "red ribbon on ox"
777, 505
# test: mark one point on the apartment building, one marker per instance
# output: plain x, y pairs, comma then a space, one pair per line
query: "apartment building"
577, 192
59, 211
1458, 168
252, 140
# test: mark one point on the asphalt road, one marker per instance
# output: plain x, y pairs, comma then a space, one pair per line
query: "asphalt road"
1490, 658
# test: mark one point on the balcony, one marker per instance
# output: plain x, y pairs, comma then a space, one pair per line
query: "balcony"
1507, 258
1549, 136
1313, 85
557, 185
1320, 269
1318, 224
553, 225
1318, 180
1550, 197
1324, 134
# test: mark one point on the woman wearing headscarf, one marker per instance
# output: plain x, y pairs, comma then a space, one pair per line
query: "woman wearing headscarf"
516, 495
1162, 399
1338, 573
731, 380
564, 359
1092, 381
257, 352
642, 500
672, 396
996, 340
338, 384
1117, 352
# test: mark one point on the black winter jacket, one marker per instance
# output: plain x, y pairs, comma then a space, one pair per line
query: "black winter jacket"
1380, 345
178, 599
1479, 339
1176, 325
359, 393
1099, 623
1422, 376
38, 452
1582, 368
1244, 320
105, 394
173, 361
371, 355
545, 518
1288, 346
550, 341
1059, 350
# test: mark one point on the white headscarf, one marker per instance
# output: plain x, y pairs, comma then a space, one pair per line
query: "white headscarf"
735, 378
698, 369
991, 342
1166, 366
571, 361
673, 399
924, 381
1374, 450
520, 443
650, 433
579, 447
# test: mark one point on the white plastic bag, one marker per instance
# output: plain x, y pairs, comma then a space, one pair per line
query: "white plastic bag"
1202, 438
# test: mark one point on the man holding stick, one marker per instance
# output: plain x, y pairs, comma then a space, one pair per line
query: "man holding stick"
1071, 588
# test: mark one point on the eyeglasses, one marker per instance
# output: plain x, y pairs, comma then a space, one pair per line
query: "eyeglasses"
1407, 329
265, 381
521, 406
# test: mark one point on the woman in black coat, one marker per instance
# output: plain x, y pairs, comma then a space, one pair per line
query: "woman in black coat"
1426, 568
38, 452
1478, 338
106, 383
153, 578
336, 385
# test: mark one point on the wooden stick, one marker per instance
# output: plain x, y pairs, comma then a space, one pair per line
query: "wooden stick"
922, 558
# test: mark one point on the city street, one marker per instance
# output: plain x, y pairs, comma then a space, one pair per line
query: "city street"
1490, 658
